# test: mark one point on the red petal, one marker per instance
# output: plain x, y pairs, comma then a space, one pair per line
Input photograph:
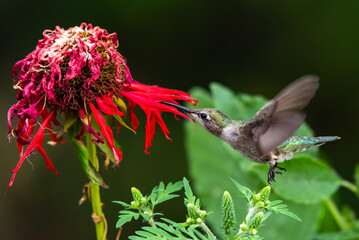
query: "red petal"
149, 98
106, 105
44, 115
48, 162
106, 132
36, 142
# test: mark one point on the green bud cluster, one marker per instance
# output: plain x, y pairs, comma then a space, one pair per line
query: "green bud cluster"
228, 215
136, 194
255, 216
256, 221
138, 199
195, 214
264, 193
260, 200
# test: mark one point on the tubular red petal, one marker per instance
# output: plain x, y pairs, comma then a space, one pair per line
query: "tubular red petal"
106, 131
44, 115
106, 105
48, 162
35, 143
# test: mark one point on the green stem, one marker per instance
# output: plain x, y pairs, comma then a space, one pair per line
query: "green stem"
350, 186
207, 230
336, 214
98, 216
94, 194
251, 212
152, 222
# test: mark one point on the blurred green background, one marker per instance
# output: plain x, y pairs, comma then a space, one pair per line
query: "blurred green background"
251, 46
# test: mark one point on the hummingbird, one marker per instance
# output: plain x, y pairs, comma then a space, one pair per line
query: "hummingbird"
268, 136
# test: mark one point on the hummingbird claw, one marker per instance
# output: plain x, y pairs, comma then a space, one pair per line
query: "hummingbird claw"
272, 172
280, 168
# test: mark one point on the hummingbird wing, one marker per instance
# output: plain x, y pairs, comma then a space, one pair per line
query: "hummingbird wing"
278, 120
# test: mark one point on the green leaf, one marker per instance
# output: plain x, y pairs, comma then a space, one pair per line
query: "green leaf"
79, 148
173, 231
158, 231
161, 193
188, 192
223, 100
95, 177
121, 104
125, 217
70, 120
279, 207
120, 120
126, 205
306, 180
246, 191
280, 227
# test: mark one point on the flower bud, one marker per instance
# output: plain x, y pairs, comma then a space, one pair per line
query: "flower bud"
243, 227
256, 221
264, 193
136, 194
260, 205
193, 211
228, 214
257, 197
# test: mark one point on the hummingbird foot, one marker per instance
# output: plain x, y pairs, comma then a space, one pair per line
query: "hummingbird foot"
272, 172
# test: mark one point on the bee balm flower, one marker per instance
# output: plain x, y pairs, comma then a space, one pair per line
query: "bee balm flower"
79, 73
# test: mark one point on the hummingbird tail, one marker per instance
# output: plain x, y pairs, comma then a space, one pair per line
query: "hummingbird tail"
299, 144
322, 140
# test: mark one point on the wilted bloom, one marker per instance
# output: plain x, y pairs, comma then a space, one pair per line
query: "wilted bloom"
79, 73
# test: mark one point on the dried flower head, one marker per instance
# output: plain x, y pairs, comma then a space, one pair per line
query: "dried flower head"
79, 73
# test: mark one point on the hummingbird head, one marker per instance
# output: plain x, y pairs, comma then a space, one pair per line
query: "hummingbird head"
211, 119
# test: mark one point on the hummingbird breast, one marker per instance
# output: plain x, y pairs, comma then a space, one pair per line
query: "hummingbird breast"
243, 144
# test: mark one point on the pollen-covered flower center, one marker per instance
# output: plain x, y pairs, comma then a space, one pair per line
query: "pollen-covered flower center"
76, 90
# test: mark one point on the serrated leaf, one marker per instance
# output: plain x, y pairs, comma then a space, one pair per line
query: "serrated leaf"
163, 193
306, 180
246, 191
125, 217
147, 235
122, 203
188, 191
280, 227
158, 231
283, 209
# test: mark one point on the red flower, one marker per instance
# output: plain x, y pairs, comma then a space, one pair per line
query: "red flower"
74, 70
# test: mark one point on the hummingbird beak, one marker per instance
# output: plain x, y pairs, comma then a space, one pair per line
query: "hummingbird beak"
186, 109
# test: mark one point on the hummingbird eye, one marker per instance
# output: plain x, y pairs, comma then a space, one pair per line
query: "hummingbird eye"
204, 116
